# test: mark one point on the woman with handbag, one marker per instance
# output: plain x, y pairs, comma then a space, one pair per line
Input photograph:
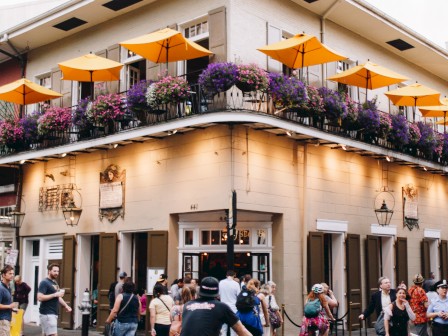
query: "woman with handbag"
160, 311
275, 317
399, 313
176, 312
126, 312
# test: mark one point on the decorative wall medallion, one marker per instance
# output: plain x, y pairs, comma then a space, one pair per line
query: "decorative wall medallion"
112, 193
410, 206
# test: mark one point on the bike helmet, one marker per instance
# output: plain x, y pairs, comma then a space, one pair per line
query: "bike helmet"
318, 289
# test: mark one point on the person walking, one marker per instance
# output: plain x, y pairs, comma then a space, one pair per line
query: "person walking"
176, 312
419, 304
438, 310
160, 311
118, 287
380, 299
428, 283
50, 296
273, 305
317, 319
228, 292
20, 296
126, 310
6, 304
399, 313
206, 315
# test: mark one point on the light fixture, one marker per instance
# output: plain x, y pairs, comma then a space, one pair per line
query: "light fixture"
172, 132
388, 158
115, 145
63, 154
317, 144
344, 147
16, 216
22, 162
71, 212
288, 133
384, 214
425, 169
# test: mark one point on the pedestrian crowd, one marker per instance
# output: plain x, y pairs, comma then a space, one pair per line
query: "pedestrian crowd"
227, 307
422, 310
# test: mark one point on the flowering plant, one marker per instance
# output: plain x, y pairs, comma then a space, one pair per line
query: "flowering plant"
136, 96
314, 104
438, 150
385, 124
54, 119
399, 132
218, 77
80, 115
29, 125
428, 141
167, 90
286, 91
444, 154
333, 103
414, 134
11, 133
350, 116
369, 118
105, 108
251, 78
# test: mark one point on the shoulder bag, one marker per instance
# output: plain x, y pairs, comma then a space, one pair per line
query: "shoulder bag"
109, 328
274, 319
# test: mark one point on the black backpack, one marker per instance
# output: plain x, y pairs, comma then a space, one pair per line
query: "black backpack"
245, 301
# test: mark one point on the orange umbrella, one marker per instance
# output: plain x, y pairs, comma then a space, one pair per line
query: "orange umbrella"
369, 76
300, 51
436, 111
23, 91
165, 45
414, 95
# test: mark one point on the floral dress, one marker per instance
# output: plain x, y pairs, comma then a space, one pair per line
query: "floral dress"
319, 322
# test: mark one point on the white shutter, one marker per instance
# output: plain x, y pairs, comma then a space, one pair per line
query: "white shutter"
274, 35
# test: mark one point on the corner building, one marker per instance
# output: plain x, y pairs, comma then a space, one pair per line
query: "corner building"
305, 205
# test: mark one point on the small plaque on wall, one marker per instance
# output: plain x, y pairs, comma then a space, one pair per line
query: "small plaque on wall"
112, 191
410, 206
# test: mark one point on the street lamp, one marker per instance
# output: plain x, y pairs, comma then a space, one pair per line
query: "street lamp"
384, 214
16, 219
71, 214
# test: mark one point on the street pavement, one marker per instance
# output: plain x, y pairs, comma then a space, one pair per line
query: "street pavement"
32, 329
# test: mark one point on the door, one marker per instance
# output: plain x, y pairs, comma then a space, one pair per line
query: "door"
372, 267
261, 267
67, 280
33, 305
315, 264
354, 294
107, 273
190, 265
443, 259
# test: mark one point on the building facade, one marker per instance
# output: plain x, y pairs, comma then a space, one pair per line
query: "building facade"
305, 203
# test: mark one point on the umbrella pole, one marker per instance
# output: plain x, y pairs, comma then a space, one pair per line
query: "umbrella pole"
92, 87
444, 122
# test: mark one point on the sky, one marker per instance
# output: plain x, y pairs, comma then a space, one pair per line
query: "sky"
427, 17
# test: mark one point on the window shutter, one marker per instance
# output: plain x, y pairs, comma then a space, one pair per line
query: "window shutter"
218, 34
56, 75
315, 262
372, 265
113, 53
274, 34
353, 259
68, 280
443, 259
401, 253
107, 274
425, 255
100, 87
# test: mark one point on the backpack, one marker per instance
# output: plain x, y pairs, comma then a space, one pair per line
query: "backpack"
312, 308
245, 300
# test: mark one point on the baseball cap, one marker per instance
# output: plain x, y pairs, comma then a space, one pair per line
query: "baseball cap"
162, 277
418, 279
122, 275
441, 283
209, 287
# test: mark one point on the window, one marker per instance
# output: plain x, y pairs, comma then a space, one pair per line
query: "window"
341, 67
188, 237
242, 237
196, 29
44, 81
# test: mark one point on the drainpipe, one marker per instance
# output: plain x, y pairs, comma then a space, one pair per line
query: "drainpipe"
304, 220
322, 34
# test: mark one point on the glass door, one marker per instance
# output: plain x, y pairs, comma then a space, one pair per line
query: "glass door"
190, 265
260, 267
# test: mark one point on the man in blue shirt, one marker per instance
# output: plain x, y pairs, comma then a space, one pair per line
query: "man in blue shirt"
50, 296
438, 310
6, 304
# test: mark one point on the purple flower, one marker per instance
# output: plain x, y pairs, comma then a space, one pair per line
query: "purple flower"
136, 96
428, 141
80, 117
286, 91
218, 77
399, 133
334, 103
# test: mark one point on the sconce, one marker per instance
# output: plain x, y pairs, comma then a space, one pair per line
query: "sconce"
71, 212
16, 216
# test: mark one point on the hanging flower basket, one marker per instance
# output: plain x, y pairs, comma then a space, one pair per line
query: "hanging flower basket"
218, 77
251, 78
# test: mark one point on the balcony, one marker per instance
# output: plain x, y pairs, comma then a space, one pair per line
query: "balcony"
253, 109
